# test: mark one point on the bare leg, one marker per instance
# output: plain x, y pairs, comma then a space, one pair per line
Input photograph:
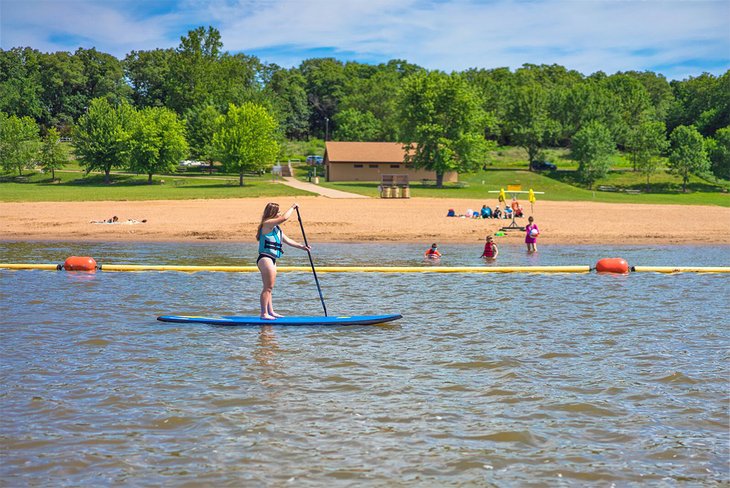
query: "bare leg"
268, 276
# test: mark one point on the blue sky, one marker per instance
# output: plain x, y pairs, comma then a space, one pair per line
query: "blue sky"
676, 38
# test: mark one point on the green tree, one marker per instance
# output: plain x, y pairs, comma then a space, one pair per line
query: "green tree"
62, 75
325, 78
373, 89
494, 88
21, 87
688, 154
644, 144
53, 156
288, 97
192, 68
201, 123
592, 146
148, 73
103, 76
102, 136
246, 139
587, 102
157, 142
528, 120
442, 124
19, 142
354, 125
719, 152
632, 103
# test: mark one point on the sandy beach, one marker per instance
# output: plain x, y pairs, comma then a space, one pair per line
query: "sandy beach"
358, 220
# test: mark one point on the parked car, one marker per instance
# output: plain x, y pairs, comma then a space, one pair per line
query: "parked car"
544, 166
314, 160
192, 164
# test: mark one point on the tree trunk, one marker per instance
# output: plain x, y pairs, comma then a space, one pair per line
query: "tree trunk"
149, 178
53, 174
240, 179
107, 179
439, 180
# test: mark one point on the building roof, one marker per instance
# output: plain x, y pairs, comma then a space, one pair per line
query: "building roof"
365, 152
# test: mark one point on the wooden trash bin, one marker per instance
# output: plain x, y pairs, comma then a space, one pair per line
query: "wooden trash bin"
405, 192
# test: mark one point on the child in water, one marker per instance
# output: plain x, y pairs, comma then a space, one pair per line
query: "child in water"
490, 249
432, 252
270, 238
531, 233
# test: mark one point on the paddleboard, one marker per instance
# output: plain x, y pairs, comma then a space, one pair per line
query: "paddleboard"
237, 320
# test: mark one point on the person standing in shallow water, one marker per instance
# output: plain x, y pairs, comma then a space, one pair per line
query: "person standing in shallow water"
270, 238
490, 249
531, 233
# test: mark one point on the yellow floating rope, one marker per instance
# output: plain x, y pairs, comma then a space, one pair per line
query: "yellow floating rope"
377, 269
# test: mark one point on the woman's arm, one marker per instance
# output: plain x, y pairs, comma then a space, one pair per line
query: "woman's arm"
292, 243
280, 219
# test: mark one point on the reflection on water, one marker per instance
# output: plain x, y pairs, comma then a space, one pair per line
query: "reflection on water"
502, 380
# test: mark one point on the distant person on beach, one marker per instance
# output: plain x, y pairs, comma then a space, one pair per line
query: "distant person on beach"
516, 208
270, 238
531, 233
497, 214
451, 213
490, 249
112, 220
115, 220
432, 252
486, 212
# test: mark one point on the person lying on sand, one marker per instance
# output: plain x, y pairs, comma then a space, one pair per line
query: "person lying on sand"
115, 220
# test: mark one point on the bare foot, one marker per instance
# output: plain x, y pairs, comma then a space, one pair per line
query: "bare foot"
267, 317
274, 314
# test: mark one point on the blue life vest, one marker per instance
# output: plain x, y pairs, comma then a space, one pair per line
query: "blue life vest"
271, 243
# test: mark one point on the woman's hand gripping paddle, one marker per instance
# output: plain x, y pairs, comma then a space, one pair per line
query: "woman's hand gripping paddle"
319, 289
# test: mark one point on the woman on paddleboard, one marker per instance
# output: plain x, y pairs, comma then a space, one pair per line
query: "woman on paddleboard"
271, 238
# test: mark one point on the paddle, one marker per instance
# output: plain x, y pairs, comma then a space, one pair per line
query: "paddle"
319, 289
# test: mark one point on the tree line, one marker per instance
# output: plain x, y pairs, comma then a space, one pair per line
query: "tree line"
453, 118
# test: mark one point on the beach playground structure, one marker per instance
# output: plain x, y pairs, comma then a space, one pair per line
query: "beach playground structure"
515, 190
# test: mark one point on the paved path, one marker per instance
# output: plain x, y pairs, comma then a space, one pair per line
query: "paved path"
311, 187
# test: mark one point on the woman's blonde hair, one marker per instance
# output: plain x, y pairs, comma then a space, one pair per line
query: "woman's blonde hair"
270, 211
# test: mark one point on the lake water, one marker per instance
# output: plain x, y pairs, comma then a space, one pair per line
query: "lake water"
488, 380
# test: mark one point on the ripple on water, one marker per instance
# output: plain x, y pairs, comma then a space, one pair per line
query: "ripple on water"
581, 380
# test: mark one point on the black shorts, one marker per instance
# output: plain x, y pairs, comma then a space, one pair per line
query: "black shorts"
262, 256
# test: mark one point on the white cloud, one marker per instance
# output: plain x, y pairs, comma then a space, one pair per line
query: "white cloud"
682, 37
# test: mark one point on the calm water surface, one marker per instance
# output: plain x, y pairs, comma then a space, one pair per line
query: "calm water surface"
489, 380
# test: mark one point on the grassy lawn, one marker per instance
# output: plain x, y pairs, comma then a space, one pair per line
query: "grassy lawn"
507, 167
74, 186
557, 186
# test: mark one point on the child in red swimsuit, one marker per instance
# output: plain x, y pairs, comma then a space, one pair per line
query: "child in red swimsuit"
490, 249
432, 252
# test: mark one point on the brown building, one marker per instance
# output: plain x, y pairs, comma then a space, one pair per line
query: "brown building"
366, 161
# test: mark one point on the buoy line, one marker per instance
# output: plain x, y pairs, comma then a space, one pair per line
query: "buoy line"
90, 265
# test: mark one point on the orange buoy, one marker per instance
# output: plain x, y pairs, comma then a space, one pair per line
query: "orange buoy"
79, 263
612, 265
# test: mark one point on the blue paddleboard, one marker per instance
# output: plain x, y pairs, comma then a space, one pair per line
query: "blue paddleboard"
236, 320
